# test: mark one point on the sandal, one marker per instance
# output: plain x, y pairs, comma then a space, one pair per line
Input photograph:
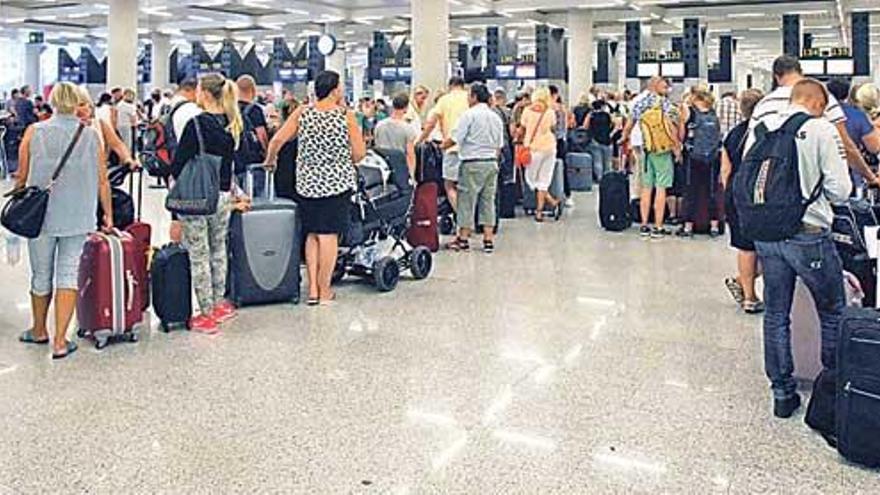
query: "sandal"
488, 247
459, 244
539, 217
753, 307
329, 300
736, 290
27, 337
312, 301
69, 348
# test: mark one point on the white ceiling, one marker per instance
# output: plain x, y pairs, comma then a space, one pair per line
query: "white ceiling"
755, 23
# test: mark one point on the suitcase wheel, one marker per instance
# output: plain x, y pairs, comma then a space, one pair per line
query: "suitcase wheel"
131, 337
386, 274
420, 262
447, 225
101, 343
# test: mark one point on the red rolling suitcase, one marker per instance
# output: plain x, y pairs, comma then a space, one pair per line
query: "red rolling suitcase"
142, 234
108, 304
423, 224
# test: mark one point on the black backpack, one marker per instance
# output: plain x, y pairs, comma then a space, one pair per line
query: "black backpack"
704, 135
250, 150
767, 189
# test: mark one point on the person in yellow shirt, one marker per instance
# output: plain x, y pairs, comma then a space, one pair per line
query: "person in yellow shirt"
446, 113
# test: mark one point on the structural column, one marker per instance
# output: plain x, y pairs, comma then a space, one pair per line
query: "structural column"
32, 72
357, 82
122, 43
580, 53
160, 73
430, 48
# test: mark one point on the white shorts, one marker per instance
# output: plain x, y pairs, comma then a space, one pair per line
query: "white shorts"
539, 173
451, 166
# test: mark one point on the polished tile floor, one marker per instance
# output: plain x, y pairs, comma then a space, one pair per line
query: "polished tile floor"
571, 361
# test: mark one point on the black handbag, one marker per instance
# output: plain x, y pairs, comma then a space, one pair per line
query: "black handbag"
197, 190
25, 211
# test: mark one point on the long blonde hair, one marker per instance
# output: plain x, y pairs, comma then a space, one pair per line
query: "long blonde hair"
868, 98
542, 96
226, 93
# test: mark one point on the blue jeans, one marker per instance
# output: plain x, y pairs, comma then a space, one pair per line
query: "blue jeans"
814, 259
602, 155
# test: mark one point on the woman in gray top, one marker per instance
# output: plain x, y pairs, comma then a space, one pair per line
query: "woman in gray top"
70, 216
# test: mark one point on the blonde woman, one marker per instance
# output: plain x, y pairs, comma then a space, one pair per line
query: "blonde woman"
868, 99
54, 255
109, 139
219, 128
700, 131
538, 123
417, 113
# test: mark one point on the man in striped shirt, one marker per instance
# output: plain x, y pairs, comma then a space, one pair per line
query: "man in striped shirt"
787, 72
728, 112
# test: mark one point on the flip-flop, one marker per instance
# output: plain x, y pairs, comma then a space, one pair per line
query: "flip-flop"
736, 290
69, 348
329, 300
312, 301
27, 337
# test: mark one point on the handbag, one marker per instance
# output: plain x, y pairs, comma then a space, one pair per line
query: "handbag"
25, 211
522, 153
197, 190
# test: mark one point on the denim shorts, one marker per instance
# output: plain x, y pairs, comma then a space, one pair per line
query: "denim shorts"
54, 262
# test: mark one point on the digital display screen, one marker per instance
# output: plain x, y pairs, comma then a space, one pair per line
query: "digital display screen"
813, 67
505, 72
388, 72
673, 69
525, 72
404, 72
840, 66
301, 74
649, 69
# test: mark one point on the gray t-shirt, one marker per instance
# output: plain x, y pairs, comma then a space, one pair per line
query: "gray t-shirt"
394, 134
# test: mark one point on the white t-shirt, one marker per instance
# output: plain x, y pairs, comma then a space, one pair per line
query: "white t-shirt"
635, 136
772, 110
183, 114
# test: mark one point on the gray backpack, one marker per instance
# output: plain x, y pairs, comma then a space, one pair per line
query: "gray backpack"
197, 190
704, 135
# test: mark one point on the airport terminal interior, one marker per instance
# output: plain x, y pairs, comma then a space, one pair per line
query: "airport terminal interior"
271, 260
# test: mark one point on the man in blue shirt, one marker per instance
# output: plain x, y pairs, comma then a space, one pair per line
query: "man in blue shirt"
25, 114
858, 126
479, 137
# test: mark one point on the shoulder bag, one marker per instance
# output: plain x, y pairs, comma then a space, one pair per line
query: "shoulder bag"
197, 189
522, 153
25, 211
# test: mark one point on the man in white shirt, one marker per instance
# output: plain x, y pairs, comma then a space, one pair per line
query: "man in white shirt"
633, 132
810, 254
183, 106
787, 72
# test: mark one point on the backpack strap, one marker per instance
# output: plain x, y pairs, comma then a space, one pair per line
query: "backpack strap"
791, 127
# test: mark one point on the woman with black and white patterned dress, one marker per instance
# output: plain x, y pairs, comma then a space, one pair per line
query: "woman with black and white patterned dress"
330, 144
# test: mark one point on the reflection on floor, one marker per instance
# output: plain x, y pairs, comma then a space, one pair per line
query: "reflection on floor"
571, 361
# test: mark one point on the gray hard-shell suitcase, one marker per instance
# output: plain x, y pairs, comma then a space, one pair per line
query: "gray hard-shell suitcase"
579, 168
264, 250
557, 189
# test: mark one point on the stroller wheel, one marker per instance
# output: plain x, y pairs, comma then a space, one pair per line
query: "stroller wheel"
386, 274
447, 225
420, 262
338, 274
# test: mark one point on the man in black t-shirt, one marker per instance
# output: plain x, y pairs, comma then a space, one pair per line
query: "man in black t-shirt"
255, 138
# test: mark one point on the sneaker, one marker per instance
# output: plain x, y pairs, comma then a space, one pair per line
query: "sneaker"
223, 312
784, 408
753, 307
569, 202
658, 233
715, 233
203, 324
684, 233
644, 231
674, 221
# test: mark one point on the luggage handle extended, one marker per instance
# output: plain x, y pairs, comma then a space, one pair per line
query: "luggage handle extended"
268, 184
140, 191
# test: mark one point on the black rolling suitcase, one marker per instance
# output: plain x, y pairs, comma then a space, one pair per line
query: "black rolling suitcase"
171, 287
614, 202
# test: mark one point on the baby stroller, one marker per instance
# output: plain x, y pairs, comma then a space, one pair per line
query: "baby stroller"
375, 245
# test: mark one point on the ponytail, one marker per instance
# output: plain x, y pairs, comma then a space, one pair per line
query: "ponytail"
230, 107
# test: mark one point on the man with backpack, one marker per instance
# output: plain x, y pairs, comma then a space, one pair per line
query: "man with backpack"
255, 136
655, 117
790, 176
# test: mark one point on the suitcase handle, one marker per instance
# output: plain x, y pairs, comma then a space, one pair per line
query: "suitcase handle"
269, 181
140, 191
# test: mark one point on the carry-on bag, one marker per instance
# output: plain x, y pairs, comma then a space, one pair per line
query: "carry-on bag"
579, 170
614, 205
171, 282
108, 304
264, 250
142, 233
196, 191
423, 223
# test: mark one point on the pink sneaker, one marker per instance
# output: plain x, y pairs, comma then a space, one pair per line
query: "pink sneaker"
223, 312
203, 324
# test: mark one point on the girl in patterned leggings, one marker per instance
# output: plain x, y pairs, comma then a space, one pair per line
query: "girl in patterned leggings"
216, 131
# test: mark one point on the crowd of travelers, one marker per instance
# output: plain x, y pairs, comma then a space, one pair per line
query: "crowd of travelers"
684, 157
